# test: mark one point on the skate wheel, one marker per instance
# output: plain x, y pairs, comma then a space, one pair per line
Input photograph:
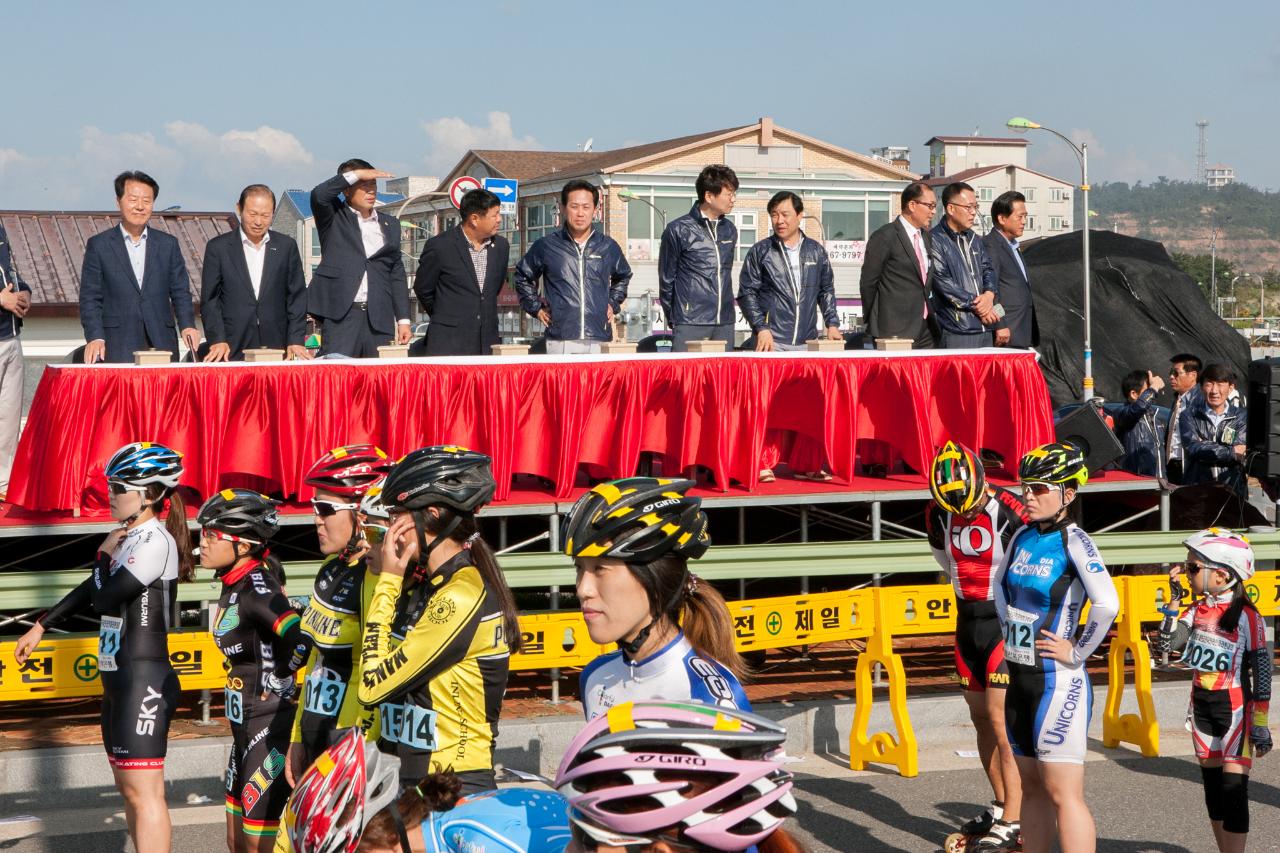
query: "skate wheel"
956, 842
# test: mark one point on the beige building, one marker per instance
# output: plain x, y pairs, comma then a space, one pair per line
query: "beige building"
846, 196
1219, 176
951, 154
1049, 208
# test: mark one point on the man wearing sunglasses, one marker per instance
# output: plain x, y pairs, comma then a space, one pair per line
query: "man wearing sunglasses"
896, 275
965, 284
334, 618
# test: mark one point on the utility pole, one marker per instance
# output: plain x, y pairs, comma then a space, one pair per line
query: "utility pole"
1213, 264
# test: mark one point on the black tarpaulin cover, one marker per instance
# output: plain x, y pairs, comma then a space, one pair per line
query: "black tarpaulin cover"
1144, 309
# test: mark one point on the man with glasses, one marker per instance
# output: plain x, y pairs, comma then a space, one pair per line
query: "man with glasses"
1213, 434
1184, 379
896, 276
965, 287
1008, 220
695, 264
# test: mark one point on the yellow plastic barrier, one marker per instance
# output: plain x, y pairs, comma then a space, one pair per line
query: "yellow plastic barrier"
770, 623
555, 639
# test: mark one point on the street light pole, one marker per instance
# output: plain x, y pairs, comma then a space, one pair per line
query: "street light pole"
1213, 262
1022, 125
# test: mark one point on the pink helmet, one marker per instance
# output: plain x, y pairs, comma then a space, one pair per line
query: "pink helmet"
1223, 549
339, 794
732, 792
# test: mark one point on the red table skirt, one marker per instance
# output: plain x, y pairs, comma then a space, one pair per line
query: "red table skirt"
265, 424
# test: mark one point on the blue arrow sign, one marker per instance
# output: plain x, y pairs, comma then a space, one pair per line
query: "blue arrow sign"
506, 189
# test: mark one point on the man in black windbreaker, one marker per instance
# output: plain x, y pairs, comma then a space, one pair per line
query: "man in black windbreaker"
695, 264
785, 284
584, 276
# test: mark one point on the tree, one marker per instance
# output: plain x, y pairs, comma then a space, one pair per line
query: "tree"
1198, 266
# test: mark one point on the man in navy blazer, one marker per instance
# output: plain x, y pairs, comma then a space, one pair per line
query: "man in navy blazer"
1018, 328
359, 292
252, 293
133, 282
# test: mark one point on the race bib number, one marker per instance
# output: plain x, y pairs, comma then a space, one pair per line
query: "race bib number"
1208, 652
1019, 637
109, 642
392, 717
323, 691
234, 706
419, 729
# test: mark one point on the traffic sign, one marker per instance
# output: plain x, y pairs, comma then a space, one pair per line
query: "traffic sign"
460, 187
506, 189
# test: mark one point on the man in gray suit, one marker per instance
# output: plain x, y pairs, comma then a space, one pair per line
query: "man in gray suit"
1018, 328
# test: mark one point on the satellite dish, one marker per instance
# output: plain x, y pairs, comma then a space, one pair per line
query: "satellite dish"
586, 146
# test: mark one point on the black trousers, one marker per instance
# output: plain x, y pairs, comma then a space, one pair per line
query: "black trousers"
352, 336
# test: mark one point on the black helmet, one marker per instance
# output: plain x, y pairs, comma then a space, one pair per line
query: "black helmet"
440, 476
1058, 463
241, 512
637, 520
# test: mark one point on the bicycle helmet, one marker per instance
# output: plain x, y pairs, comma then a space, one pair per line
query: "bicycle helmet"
957, 480
372, 507
339, 794
144, 462
241, 512
683, 771
1057, 463
348, 471
443, 475
1223, 549
637, 520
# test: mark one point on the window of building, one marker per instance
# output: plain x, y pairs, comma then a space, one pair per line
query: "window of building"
1030, 194
877, 213
1031, 223
1055, 223
1055, 193
315, 242
844, 220
985, 194
645, 225
746, 222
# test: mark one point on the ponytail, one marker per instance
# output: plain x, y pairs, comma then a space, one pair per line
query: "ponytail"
465, 530
176, 523
709, 626
438, 792
1239, 600
693, 604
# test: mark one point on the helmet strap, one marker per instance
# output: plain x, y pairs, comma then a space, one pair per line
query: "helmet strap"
424, 547
357, 537
154, 506
400, 830
632, 648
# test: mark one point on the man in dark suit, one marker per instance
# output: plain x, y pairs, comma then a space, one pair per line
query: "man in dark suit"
252, 293
1018, 328
896, 276
459, 276
133, 282
359, 292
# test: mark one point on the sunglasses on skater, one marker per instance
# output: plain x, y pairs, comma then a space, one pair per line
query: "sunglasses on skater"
374, 533
122, 488
1038, 489
211, 533
324, 509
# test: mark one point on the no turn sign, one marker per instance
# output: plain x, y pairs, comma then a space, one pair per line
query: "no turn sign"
460, 187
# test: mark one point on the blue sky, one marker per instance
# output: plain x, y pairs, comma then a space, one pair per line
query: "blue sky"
209, 97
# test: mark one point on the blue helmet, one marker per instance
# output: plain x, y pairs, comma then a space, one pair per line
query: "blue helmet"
142, 463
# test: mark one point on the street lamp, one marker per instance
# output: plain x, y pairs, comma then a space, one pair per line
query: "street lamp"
1022, 125
628, 196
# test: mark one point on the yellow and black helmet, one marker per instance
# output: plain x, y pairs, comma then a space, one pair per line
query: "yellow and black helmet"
1058, 463
637, 520
957, 480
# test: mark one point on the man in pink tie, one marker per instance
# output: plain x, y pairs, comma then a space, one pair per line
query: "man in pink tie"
896, 274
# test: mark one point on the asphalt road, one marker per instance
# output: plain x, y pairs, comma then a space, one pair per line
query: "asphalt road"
1139, 804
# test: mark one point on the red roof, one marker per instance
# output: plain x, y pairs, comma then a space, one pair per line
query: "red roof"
48, 246
978, 140
963, 175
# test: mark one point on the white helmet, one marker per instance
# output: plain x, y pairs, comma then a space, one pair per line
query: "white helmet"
1223, 549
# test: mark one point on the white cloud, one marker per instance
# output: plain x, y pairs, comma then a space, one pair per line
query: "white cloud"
10, 157
1049, 155
277, 147
451, 137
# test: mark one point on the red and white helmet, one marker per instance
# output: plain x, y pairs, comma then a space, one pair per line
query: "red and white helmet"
319, 818
684, 771
1223, 549
349, 471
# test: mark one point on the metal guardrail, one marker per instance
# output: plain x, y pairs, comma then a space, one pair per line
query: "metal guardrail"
23, 591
